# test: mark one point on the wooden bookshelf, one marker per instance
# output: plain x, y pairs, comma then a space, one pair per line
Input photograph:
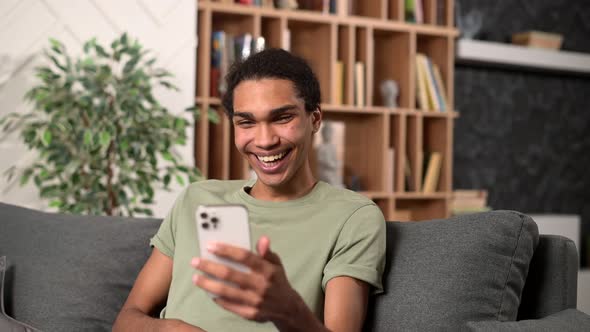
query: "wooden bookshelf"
375, 33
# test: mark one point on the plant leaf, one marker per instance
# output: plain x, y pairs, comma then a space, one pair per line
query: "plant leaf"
46, 138
104, 139
87, 137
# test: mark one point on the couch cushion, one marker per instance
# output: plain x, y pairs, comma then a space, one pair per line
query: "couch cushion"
70, 273
441, 274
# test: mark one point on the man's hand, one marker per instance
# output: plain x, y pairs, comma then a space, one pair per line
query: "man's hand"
263, 294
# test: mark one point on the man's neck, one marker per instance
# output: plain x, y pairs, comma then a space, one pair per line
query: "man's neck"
294, 190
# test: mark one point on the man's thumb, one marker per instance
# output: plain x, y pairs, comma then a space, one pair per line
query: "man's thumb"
263, 248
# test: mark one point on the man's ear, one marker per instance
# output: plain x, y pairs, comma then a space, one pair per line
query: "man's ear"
316, 119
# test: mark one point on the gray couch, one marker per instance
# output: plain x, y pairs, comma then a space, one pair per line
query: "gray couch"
483, 272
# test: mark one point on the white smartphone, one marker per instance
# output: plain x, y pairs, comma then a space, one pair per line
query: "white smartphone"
223, 224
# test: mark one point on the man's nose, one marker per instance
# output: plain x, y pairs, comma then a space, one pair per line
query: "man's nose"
266, 137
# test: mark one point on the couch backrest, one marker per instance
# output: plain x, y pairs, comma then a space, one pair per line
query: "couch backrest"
66, 272
442, 273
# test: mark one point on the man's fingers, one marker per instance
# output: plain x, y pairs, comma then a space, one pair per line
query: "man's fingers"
229, 292
225, 272
236, 254
248, 312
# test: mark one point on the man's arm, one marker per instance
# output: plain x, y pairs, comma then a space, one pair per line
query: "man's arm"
148, 294
345, 305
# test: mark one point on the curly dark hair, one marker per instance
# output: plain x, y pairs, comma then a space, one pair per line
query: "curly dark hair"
274, 63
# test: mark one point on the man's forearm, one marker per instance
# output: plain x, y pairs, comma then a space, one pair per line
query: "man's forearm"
301, 319
136, 320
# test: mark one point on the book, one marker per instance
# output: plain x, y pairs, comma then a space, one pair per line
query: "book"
390, 170
217, 54
430, 183
437, 89
418, 11
359, 84
329, 147
441, 88
433, 99
421, 87
338, 83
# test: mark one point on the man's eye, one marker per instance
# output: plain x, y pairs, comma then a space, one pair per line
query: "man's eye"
243, 123
284, 118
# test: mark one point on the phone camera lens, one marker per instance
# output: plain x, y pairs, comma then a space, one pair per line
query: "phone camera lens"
214, 220
203, 215
205, 225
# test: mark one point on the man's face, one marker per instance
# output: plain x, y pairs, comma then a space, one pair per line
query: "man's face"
274, 132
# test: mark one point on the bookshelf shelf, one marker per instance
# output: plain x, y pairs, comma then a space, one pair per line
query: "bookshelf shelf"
499, 54
372, 44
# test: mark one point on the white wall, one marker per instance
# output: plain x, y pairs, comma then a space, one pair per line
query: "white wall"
167, 27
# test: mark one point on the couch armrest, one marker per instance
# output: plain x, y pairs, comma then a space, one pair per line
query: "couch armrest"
552, 281
563, 321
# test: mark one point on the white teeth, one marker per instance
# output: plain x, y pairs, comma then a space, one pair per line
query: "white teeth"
269, 159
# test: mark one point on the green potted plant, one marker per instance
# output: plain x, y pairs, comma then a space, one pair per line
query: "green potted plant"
104, 141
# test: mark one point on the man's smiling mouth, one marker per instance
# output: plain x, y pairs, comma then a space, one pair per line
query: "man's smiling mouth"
270, 159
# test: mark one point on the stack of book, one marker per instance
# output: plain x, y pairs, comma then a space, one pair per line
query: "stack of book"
469, 201
430, 90
429, 173
225, 49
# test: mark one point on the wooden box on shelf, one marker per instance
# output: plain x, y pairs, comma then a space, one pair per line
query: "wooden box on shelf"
353, 47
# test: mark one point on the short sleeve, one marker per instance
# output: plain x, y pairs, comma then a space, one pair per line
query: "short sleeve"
164, 239
359, 251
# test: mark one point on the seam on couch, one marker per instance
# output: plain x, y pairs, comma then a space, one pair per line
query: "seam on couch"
519, 236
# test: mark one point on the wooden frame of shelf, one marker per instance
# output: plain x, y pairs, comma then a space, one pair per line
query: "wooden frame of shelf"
375, 35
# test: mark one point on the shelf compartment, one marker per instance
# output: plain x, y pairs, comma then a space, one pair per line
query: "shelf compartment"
203, 53
421, 209
233, 23
392, 61
362, 131
373, 8
219, 147
414, 153
395, 10
363, 53
437, 133
306, 39
440, 51
398, 125
272, 28
346, 55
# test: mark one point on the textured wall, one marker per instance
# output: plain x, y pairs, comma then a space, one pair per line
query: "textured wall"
525, 136
168, 28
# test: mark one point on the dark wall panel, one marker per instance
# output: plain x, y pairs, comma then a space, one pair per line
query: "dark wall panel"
523, 135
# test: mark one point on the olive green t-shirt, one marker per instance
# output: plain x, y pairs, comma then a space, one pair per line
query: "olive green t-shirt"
329, 232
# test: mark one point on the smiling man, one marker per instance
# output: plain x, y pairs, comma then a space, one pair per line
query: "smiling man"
319, 250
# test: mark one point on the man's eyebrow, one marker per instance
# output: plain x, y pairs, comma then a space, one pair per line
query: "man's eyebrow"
273, 113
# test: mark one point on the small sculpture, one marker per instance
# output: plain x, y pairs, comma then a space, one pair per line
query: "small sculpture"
389, 92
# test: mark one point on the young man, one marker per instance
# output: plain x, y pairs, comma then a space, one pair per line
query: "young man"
328, 244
